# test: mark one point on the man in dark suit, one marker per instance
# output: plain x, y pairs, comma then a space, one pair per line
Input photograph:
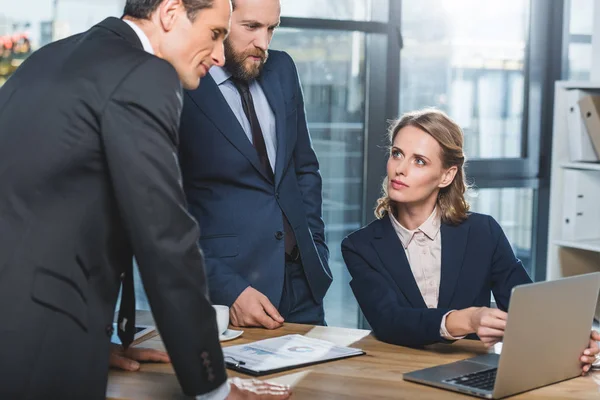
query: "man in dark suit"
252, 179
89, 178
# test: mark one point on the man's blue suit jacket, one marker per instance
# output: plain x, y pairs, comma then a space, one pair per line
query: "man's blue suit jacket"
476, 260
238, 208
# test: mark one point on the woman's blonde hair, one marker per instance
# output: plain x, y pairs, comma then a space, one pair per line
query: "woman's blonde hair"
451, 203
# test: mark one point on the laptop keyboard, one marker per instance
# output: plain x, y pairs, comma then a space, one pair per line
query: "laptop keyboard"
483, 380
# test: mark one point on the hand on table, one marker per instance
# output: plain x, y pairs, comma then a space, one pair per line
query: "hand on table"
254, 389
128, 360
252, 308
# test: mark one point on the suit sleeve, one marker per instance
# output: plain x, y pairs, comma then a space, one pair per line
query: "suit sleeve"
139, 134
391, 318
507, 270
308, 175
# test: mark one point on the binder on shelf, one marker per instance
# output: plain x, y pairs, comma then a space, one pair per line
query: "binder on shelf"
581, 212
589, 107
580, 143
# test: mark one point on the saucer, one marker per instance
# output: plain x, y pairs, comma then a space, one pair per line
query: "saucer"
230, 334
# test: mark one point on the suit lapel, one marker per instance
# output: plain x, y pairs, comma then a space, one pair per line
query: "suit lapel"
210, 100
454, 244
270, 85
390, 250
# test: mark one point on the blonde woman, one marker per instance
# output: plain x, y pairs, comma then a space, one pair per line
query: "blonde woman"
424, 270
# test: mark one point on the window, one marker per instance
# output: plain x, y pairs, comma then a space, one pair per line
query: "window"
470, 67
578, 39
332, 70
582, 17
580, 61
355, 10
512, 208
28, 25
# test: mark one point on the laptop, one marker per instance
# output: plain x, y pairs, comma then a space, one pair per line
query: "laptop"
547, 329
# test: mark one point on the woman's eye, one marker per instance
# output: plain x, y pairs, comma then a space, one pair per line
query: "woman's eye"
420, 161
396, 153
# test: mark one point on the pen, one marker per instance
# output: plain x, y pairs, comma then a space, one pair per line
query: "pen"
236, 363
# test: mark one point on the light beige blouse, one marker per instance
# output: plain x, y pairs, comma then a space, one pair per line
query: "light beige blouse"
423, 248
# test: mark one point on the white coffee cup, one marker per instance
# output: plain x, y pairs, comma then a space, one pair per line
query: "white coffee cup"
222, 318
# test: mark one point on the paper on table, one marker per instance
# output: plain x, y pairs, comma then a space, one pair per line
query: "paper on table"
285, 351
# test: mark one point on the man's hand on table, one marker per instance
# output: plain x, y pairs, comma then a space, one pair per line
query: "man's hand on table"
254, 389
128, 360
252, 308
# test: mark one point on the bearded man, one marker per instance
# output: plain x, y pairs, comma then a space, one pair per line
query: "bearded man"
252, 180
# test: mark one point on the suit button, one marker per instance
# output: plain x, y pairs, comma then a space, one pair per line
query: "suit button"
278, 235
277, 195
109, 330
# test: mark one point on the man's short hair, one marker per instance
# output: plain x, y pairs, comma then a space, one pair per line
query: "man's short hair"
143, 9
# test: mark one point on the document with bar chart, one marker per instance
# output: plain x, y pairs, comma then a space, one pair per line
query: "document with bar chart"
282, 353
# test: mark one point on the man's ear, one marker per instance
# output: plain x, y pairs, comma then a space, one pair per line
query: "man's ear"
168, 11
448, 177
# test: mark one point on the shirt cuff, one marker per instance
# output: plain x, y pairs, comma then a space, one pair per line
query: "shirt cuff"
219, 393
444, 332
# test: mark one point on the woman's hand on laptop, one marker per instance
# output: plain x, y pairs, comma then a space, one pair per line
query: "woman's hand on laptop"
487, 323
589, 354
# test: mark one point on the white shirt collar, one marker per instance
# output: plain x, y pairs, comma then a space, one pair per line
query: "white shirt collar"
140, 33
219, 74
431, 228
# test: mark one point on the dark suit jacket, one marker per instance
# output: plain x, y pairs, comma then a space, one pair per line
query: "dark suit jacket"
88, 179
476, 259
236, 204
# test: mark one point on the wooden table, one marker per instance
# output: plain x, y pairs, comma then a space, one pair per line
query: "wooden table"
377, 375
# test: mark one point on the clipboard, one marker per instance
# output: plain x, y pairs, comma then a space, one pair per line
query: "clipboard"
284, 353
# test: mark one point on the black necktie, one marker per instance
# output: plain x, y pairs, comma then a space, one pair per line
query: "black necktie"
261, 149
126, 319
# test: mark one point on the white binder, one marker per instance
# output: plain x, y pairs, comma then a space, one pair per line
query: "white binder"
580, 144
581, 211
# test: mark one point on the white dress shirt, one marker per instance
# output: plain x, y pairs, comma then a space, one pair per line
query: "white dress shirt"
222, 391
423, 248
141, 35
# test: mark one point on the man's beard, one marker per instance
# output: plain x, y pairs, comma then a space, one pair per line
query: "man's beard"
235, 62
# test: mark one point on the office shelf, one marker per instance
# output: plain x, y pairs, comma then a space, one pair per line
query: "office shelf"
590, 245
570, 257
586, 166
